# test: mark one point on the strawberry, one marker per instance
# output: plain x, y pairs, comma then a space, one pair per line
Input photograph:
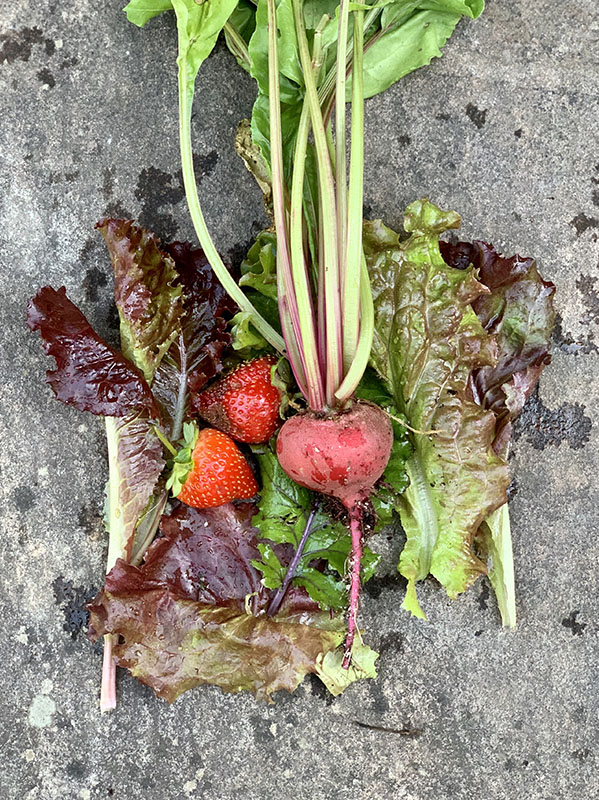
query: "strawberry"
244, 403
209, 470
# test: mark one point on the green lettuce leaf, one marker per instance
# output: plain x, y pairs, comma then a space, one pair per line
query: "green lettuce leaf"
146, 292
428, 342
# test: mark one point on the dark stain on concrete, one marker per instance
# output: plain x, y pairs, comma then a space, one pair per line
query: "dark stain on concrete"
88, 518
69, 62
159, 191
404, 140
391, 642
263, 736
380, 704
595, 197
94, 279
543, 426
567, 344
483, 596
17, 45
571, 622
582, 223
155, 190
320, 690
108, 184
375, 586
582, 754
586, 285
77, 769
117, 210
72, 600
46, 77
23, 498
476, 115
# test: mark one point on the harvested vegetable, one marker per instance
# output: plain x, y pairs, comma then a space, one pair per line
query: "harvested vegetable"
407, 363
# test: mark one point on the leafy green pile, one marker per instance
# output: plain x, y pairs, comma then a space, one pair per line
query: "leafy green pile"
449, 339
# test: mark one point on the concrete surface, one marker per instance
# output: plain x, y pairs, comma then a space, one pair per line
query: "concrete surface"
504, 130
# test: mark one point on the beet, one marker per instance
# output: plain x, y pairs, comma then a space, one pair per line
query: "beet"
341, 455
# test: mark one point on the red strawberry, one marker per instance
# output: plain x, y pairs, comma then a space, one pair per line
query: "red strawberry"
210, 470
243, 403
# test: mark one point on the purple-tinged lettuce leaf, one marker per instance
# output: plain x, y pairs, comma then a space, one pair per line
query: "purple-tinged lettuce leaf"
184, 618
519, 312
196, 355
206, 556
147, 295
428, 341
90, 375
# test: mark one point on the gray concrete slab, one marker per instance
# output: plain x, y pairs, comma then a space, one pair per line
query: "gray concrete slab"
504, 130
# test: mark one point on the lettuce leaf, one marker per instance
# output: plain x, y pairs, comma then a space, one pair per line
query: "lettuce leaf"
146, 293
135, 463
90, 375
196, 355
428, 342
185, 617
519, 313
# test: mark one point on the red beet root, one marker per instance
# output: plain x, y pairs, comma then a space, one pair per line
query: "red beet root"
341, 456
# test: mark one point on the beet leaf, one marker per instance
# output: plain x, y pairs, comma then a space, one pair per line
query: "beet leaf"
281, 520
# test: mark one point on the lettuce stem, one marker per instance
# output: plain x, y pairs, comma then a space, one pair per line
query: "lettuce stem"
501, 574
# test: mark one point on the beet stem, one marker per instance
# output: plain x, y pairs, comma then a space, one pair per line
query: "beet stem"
276, 601
355, 525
